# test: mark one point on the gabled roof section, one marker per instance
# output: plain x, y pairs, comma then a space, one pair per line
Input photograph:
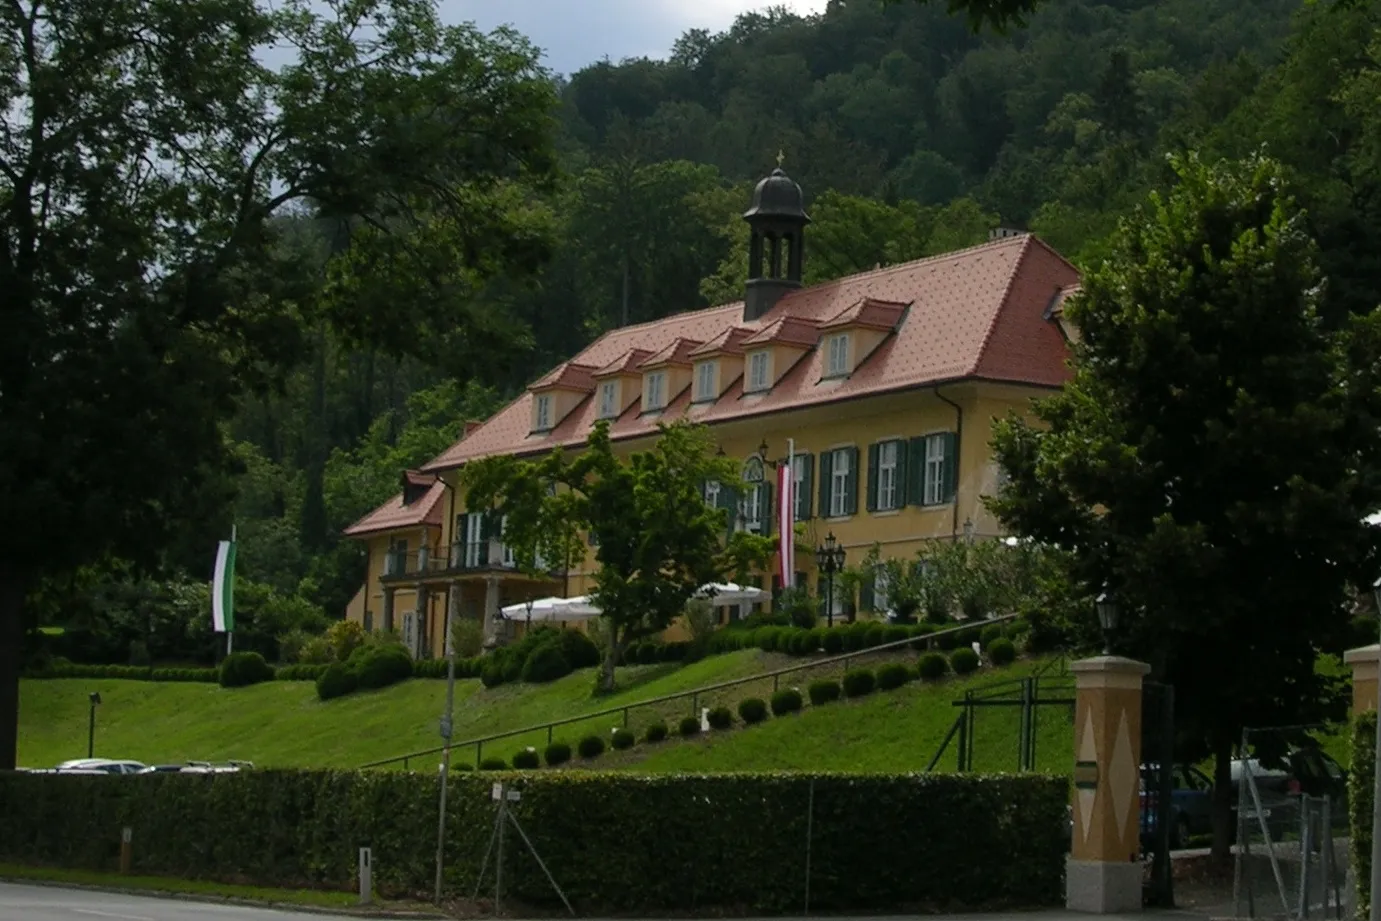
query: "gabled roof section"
975, 313
869, 313
676, 352
1057, 303
568, 376
729, 342
627, 363
395, 515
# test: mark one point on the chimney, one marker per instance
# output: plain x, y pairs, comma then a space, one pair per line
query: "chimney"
470, 426
776, 248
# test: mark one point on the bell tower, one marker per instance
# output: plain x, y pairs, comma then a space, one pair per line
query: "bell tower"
777, 218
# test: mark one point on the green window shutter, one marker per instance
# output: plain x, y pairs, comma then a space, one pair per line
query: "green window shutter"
462, 528
851, 486
902, 470
951, 466
728, 500
765, 492
873, 477
807, 488
915, 471
826, 471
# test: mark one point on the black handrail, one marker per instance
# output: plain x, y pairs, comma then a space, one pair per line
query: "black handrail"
694, 695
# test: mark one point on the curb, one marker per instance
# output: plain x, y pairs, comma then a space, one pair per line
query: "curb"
345, 911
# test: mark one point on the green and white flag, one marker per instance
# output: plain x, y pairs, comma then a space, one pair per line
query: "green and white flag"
223, 588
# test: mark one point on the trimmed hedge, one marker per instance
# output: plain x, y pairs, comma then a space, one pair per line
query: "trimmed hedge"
336, 681
622, 739
859, 683
964, 661
128, 673
1002, 651
591, 747
527, 760
720, 718
300, 672
493, 764
303, 828
752, 710
689, 726
1360, 792
657, 732
824, 691
808, 641
787, 700
892, 676
932, 666
557, 753
241, 669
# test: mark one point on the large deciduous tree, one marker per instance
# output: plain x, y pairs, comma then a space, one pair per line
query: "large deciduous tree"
1212, 459
145, 149
655, 539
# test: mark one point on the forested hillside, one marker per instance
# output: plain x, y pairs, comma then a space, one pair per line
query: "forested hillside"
910, 135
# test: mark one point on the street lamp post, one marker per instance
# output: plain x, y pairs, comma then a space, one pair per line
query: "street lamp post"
95, 698
830, 559
1107, 619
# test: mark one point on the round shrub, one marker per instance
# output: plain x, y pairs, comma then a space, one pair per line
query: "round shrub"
336, 681
858, 682
720, 718
853, 636
832, 642
1002, 651
381, 666
580, 651
892, 676
893, 633
988, 634
622, 739
493, 764
511, 663
874, 635
491, 676
963, 660
463, 766
752, 710
932, 666
527, 760
241, 669
557, 753
656, 732
674, 652
787, 700
920, 634
591, 747
800, 643
689, 726
823, 692
649, 654
545, 663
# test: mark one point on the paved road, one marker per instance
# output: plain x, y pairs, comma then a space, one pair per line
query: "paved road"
48, 903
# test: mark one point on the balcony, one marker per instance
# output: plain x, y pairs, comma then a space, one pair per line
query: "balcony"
461, 557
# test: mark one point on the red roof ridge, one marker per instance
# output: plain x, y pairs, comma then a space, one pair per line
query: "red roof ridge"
982, 350
628, 359
393, 515
571, 374
786, 328
730, 341
675, 352
871, 312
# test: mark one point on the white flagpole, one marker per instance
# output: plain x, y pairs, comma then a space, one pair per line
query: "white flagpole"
230, 634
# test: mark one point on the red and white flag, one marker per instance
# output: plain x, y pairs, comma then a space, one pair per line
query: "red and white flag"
786, 519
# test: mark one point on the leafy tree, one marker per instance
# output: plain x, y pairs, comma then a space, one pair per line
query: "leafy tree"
1213, 456
145, 156
656, 540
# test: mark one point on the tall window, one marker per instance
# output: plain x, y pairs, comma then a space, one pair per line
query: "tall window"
705, 381
608, 399
475, 550
837, 358
753, 506
541, 414
712, 494
887, 475
800, 487
935, 469
656, 395
757, 371
839, 482
509, 561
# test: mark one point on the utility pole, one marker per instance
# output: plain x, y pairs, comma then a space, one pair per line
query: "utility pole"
446, 742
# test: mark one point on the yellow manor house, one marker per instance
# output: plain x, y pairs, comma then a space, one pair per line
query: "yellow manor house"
888, 382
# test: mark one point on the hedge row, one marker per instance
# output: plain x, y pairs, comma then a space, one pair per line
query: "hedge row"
1360, 793
138, 672
802, 641
727, 843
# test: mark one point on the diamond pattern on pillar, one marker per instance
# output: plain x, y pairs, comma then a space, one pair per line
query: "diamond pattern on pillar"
1088, 751
1123, 776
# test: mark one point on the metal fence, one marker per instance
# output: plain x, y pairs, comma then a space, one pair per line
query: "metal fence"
1019, 724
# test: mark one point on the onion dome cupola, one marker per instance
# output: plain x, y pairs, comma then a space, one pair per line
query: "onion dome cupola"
777, 219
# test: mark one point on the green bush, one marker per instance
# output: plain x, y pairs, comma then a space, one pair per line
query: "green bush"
824, 691
545, 663
622, 739
649, 654
241, 669
675, 652
493, 764
557, 753
752, 710
689, 726
1360, 794
858, 682
1002, 651
932, 666
300, 828
892, 676
920, 635
855, 636
874, 635
491, 676
656, 732
336, 681
527, 760
787, 700
963, 661
988, 634
380, 666
295, 672
590, 747
720, 718
833, 642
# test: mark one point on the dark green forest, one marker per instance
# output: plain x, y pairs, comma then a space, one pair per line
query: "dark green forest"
910, 134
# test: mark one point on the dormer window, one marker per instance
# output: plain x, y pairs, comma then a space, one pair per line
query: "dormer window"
655, 390
837, 355
759, 370
705, 374
608, 399
541, 413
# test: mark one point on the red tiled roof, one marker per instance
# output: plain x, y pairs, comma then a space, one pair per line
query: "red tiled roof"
1057, 304
627, 363
393, 515
570, 375
868, 312
786, 331
729, 342
676, 352
976, 313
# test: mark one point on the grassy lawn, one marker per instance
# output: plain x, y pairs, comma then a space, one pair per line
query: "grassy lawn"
161, 884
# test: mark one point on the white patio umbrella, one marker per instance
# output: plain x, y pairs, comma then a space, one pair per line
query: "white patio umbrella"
731, 593
551, 608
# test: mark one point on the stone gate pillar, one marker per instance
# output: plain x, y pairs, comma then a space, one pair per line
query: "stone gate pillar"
1363, 663
1104, 875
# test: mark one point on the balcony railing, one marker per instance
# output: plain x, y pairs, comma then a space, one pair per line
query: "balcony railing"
461, 556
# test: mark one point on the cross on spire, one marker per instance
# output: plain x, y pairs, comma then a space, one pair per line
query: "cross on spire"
781, 158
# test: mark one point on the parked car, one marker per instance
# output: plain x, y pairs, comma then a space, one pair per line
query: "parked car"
1191, 804
100, 766
206, 767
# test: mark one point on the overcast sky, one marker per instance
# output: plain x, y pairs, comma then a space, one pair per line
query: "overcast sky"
573, 33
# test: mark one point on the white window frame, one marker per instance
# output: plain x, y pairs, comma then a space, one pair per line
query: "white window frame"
759, 371
839, 483
474, 530
654, 390
711, 496
934, 469
509, 561
798, 478
887, 476
541, 413
706, 376
837, 355
608, 399
750, 516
